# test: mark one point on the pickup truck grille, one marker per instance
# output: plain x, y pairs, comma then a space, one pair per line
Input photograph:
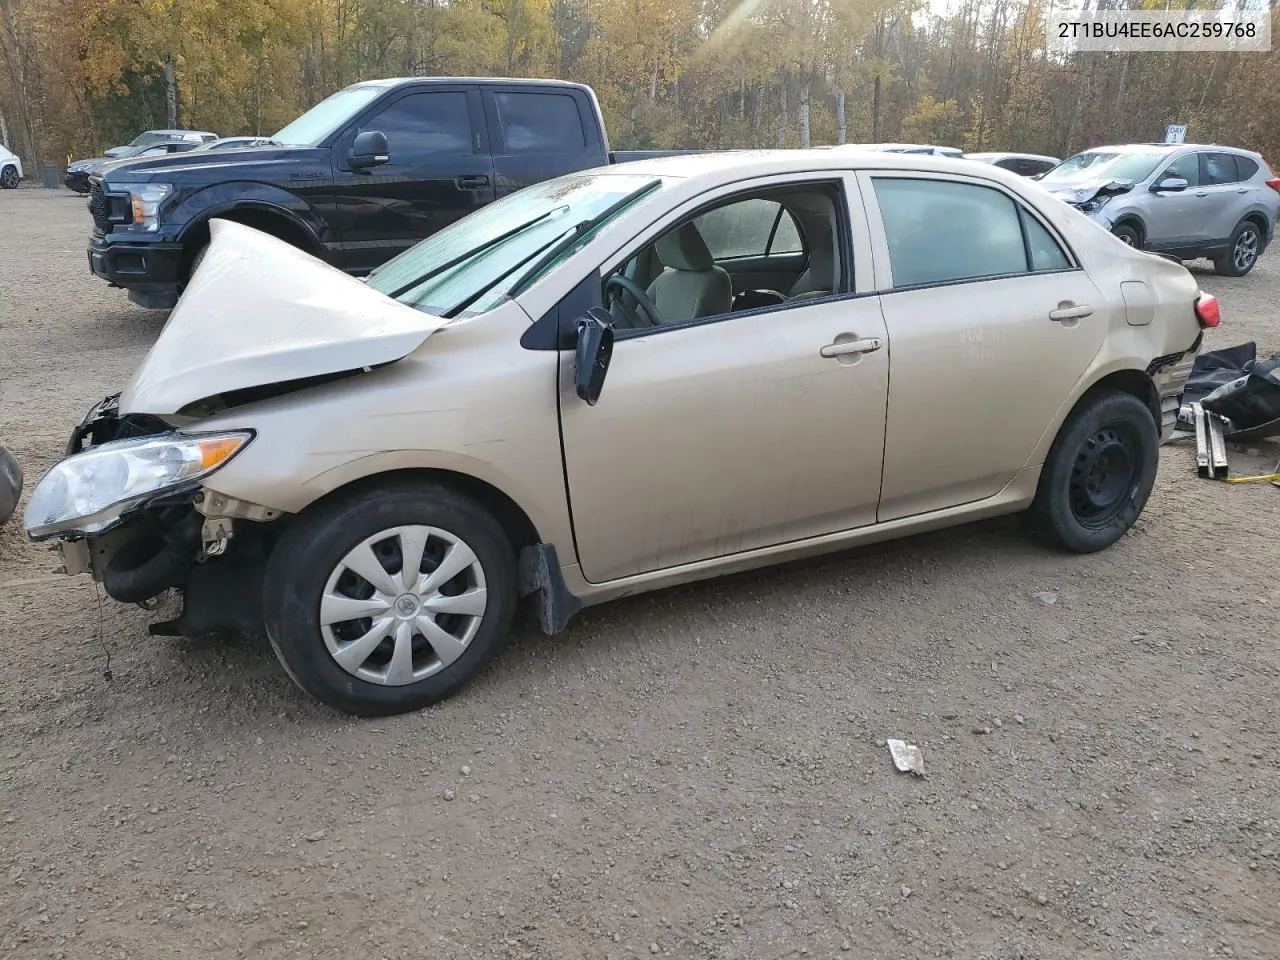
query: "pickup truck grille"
99, 208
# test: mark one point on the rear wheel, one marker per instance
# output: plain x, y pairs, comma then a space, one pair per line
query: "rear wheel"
390, 601
9, 178
1127, 233
1242, 251
1099, 473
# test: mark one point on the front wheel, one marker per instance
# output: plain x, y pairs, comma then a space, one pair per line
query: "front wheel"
9, 178
1242, 251
1099, 473
391, 601
1127, 235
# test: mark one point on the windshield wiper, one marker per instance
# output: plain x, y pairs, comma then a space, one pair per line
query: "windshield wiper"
473, 252
558, 247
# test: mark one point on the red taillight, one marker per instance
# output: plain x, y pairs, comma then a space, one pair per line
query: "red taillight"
1207, 310
1273, 181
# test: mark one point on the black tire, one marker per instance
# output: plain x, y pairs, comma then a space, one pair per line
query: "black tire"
1127, 233
318, 542
9, 178
1243, 250
1099, 473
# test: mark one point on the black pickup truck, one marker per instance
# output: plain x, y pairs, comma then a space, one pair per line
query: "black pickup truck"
361, 176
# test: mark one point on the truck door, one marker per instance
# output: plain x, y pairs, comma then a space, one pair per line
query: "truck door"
439, 171
540, 133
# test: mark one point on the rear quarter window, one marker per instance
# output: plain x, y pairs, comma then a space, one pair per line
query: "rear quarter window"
1246, 167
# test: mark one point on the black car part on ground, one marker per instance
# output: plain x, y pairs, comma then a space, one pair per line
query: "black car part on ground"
1236, 385
10, 483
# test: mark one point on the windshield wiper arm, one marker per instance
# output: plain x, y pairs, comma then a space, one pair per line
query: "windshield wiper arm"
473, 252
582, 229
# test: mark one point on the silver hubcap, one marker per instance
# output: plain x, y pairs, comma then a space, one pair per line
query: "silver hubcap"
1246, 250
403, 605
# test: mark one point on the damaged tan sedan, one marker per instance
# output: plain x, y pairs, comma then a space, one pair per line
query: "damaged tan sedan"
612, 382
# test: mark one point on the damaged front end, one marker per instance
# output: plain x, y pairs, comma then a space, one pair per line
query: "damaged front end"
1091, 199
128, 506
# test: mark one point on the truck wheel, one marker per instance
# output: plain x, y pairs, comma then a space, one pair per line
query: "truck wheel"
1099, 473
9, 178
1242, 251
390, 601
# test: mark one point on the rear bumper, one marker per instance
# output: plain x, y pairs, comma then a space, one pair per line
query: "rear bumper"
149, 271
1169, 374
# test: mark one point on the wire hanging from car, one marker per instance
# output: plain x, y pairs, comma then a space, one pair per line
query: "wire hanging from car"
97, 595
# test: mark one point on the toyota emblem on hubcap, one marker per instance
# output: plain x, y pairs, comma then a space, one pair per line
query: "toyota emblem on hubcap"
407, 606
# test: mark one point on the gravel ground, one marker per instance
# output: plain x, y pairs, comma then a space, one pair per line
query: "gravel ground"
697, 773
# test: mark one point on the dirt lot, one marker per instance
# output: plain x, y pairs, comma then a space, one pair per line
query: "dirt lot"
699, 773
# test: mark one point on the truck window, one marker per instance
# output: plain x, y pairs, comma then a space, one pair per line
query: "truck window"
425, 123
540, 123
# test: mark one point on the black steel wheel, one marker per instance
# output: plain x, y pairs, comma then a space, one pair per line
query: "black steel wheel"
1099, 473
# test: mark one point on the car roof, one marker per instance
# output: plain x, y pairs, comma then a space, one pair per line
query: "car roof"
182, 133
1164, 148
388, 82
815, 159
1002, 155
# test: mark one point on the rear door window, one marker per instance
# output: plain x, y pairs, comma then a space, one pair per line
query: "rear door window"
941, 231
1218, 168
540, 123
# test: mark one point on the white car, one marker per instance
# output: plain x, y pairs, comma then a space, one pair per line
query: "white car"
10, 170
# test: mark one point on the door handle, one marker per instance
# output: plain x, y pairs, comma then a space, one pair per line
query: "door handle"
478, 182
1242, 190
1202, 193
1071, 311
844, 348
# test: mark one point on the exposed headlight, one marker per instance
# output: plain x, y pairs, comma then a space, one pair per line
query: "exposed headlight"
86, 493
145, 198
1094, 205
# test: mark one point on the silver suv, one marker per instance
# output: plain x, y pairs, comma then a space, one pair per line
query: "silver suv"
1186, 200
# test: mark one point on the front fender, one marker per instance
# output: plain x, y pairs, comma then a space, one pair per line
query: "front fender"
221, 199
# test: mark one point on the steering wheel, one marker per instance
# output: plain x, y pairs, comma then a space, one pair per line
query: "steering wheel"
647, 308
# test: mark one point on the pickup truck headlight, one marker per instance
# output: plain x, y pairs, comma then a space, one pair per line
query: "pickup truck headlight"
145, 199
86, 493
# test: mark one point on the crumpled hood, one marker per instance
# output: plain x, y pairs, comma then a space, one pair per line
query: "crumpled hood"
1082, 192
259, 311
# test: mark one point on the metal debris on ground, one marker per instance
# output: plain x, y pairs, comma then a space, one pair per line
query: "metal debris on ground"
906, 757
1211, 448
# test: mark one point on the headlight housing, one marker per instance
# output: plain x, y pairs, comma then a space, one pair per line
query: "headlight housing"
1094, 205
145, 199
86, 493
